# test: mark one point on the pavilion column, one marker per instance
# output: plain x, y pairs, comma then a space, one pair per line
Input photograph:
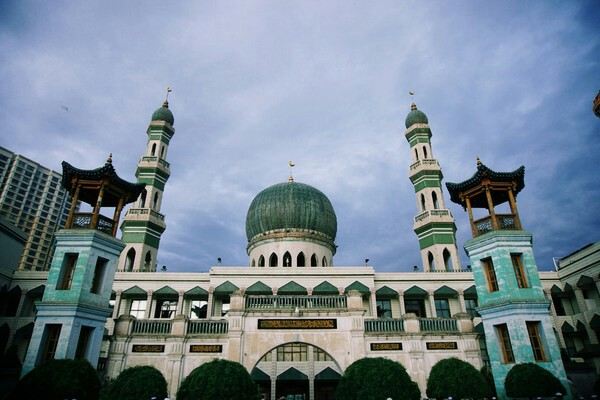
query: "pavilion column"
117, 216
461, 301
401, 303
69, 223
470, 211
488, 196
210, 301
96, 212
431, 297
148, 311
513, 208
179, 310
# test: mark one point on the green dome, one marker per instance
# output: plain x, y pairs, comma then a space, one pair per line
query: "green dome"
415, 117
163, 114
291, 205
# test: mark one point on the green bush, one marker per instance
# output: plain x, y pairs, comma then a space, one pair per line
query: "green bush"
458, 379
486, 371
530, 380
59, 380
218, 379
376, 379
143, 382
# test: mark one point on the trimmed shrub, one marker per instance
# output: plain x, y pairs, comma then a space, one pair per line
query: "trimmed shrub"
142, 382
486, 371
530, 380
376, 379
218, 379
457, 379
59, 380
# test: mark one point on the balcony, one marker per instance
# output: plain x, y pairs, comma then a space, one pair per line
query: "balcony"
384, 325
504, 222
151, 327
145, 214
272, 303
150, 161
427, 164
428, 216
438, 325
84, 221
166, 327
207, 327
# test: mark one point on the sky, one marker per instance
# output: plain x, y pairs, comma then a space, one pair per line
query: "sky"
325, 84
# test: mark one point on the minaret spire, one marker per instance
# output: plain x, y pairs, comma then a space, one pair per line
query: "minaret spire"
433, 224
144, 224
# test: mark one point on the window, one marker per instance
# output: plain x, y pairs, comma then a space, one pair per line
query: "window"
153, 152
143, 199
253, 263
51, 336
313, 260
99, 273
165, 308
147, 261
447, 260
324, 261
300, 262
504, 341
292, 352
435, 201
471, 306
225, 306
198, 309
416, 155
162, 152
423, 202
431, 261
490, 274
155, 204
517, 263
424, 152
267, 357
321, 355
415, 306
261, 261
83, 343
533, 329
384, 308
273, 260
287, 259
65, 277
442, 308
138, 308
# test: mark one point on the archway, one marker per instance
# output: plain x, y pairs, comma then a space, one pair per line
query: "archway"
297, 371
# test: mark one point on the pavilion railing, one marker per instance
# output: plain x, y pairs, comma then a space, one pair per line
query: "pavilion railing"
84, 221
151, 327
438, 325
207, 327
384, 325
283, 302
505, 222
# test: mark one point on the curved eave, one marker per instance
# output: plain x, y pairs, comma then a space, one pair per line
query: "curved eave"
517, 177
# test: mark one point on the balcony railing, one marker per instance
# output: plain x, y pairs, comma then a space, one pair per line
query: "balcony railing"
154, 159
84, 221
151, 327
201, 327
438, 325
284, 302
432, 213
384, 325
145, 211
424, 163
505, 222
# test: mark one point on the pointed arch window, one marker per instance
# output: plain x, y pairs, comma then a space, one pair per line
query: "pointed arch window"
143, 199
300, 261
423, 202
425, 152
129, 260
431, 261
153, 152
313, 260
273, 260
253, 262
261, 261
287, 259
417, 154
435, 201
155, 200
147, 261
324, 261
162, 151
447, 260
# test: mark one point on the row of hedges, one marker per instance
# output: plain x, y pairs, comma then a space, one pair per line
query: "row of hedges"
367, 378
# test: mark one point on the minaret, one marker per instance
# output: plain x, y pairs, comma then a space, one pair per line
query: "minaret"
434, 224
70, 319
143, 224
514, 311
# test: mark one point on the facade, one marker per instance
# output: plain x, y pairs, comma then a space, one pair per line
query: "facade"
31, 198
296, 321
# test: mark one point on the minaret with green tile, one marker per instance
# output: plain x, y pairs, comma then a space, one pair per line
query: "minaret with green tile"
143, 224
70, 319
433, 224
514, 311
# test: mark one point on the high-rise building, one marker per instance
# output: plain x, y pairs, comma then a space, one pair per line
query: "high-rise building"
32, 198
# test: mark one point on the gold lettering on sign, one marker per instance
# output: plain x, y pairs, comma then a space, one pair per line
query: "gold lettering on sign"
148, 348
442, 345
206, 348
386, 346
297, 324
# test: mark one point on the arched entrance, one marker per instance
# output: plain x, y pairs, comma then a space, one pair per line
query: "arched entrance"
296, 371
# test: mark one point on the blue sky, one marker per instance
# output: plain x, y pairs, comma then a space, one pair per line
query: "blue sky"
325, 84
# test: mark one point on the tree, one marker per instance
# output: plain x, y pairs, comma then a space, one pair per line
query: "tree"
58, 380
143, 382
530, 380
458, 379
218, 379
486, 371
376, 379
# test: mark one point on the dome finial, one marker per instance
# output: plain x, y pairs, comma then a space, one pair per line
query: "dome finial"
413, 106
166, 103
479, 162
291, 165
109, 159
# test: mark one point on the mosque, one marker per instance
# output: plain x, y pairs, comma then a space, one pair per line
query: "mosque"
291, 317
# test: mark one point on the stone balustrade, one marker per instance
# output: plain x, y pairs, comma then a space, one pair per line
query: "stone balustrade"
283, 302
